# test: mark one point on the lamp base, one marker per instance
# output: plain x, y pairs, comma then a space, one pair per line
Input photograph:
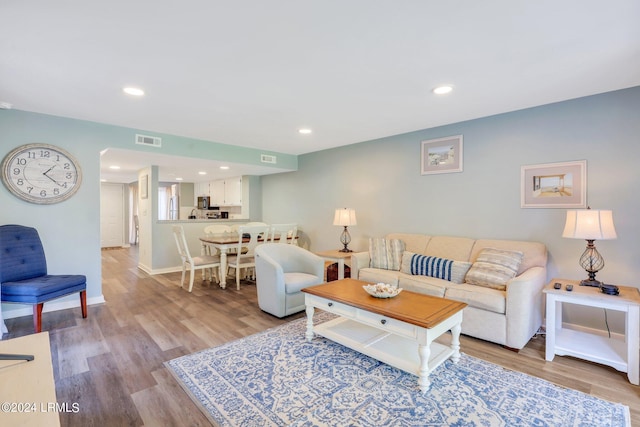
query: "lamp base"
345, 250
593, 283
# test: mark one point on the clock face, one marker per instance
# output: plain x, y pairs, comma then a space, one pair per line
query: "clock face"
41, 173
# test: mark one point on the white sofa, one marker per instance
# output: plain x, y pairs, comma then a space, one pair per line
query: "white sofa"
509, 317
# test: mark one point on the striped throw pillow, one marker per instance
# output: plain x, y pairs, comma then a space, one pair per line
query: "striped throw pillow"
386, 253
440, 268
494, 268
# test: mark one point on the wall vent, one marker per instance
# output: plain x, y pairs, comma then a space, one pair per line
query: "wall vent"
152, 141
266, 158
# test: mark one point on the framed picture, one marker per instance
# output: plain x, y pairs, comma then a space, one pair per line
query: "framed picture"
144, 187
442, 155
554, 185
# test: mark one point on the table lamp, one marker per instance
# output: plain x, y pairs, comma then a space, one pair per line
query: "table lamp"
345, 217
590, 225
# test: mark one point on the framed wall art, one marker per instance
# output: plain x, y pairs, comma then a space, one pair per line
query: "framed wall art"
554, 185
442, 155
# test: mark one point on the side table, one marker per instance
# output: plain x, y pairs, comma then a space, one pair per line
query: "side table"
611, 351
339, 257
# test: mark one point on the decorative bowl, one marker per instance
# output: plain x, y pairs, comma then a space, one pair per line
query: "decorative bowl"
382, 290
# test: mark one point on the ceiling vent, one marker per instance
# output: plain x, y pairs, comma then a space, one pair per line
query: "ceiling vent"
266, 158
152, 141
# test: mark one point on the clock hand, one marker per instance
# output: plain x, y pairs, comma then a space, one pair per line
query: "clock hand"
49, 170
45, 174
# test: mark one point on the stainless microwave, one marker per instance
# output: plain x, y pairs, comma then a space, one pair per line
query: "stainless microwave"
203, 202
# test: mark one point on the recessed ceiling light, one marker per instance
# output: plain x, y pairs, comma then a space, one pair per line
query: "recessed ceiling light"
114, 167
133, 91
442, 90
202, 173
304, 131
178, 179
224, 168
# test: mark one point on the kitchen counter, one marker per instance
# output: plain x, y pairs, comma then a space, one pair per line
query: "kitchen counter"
203, 220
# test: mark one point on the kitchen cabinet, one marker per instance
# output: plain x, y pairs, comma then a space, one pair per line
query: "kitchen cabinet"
200, 189
226, 192
217, 192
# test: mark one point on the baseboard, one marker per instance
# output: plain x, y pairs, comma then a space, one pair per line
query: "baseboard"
27, 310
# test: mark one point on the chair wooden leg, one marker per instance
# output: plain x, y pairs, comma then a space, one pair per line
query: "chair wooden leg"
37, 317
83, 303
191, 277
184, 270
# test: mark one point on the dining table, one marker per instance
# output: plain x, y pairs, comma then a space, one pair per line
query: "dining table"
223, 242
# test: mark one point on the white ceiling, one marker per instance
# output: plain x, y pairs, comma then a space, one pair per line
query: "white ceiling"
250, 73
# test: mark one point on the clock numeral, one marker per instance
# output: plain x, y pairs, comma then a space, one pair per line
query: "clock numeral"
20, 181
29, 189
67, 166
43, 193
16, 171
56, 191
31, 155
45, 154
21, 161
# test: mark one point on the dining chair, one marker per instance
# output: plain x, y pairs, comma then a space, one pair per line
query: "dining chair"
215, 229
244, 257
23, 273
283, 233
203, 262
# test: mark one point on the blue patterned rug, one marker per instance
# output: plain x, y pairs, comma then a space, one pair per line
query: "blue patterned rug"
277, 378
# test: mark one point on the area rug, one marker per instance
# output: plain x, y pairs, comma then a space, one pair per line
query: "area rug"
277, 378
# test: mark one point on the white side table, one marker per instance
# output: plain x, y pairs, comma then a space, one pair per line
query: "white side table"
339, 257
611, 351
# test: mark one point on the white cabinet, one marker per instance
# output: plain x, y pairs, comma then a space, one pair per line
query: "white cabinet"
233, 191
216, 192
200, 189
226, 192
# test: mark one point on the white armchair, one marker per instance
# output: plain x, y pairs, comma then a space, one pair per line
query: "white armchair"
282, 271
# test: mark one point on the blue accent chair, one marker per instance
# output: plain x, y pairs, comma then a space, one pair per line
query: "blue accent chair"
23, 273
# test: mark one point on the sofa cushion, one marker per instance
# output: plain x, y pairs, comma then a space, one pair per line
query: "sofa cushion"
479, 297
494, 268
424, 285
441, 268
386, 253
375, 275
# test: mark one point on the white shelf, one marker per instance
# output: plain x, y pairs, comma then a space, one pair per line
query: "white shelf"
599, 349
394, 350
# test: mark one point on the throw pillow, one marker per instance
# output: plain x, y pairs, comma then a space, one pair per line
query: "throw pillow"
386, 253
494, 268
441, 268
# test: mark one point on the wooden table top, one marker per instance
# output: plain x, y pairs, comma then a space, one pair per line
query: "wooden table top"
411, 307
227, 238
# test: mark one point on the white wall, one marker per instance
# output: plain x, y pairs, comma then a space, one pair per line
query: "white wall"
381, 180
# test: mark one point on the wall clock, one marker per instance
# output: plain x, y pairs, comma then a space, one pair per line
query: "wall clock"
41, 173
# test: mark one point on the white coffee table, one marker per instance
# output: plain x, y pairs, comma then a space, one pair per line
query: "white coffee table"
399, 331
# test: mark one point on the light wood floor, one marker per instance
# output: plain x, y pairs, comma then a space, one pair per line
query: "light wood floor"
111, 363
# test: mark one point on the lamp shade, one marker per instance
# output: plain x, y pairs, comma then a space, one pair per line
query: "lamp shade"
589, 224
345, 217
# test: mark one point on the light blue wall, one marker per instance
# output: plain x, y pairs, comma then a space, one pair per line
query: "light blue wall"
70, 230
381, 180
